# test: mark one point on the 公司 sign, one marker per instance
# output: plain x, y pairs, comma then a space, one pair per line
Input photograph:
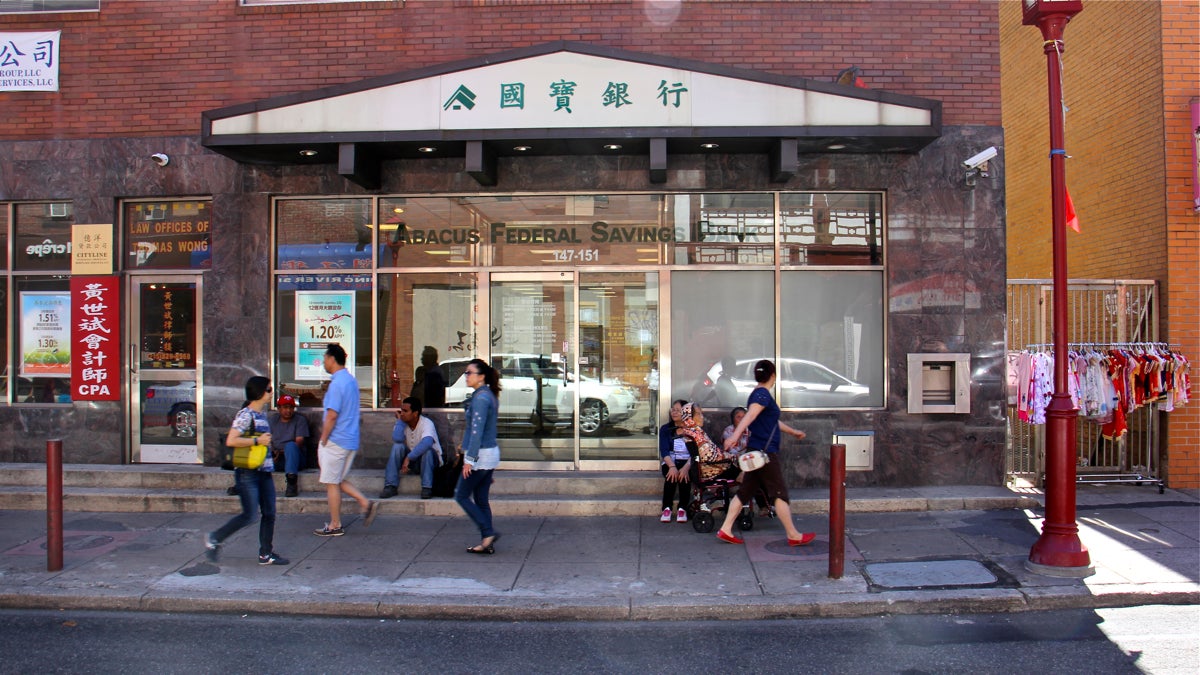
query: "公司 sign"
29, 61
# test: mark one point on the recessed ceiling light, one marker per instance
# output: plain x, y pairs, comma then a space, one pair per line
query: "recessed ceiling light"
835, 146
308, 153
710, 146
397, 210
523, 148
427, 148
612, 146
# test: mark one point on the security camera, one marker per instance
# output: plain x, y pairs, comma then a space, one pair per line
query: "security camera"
980, 159
160, 159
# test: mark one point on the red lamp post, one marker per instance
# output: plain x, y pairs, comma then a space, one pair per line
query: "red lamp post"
1058, 551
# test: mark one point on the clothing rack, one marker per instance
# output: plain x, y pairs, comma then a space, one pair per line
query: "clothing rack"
1106, 344
1093, 446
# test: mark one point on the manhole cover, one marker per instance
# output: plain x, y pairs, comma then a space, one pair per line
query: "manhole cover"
930, 574
83, 542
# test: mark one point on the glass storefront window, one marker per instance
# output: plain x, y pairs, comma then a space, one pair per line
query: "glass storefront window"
164, 235
323, 234
831, 339
831, 228
4, 236
312, 311
731, 228
42, 237
428, 232
719, 319
427, 334
42, 353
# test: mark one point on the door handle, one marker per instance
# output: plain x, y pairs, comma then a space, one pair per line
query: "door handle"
133, 364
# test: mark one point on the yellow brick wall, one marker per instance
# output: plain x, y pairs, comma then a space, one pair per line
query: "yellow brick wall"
1130, 70
1112, 84
1181, 292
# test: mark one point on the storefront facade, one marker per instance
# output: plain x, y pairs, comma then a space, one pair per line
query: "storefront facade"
659, 220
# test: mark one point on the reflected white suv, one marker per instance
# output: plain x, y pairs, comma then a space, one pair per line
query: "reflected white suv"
600, 404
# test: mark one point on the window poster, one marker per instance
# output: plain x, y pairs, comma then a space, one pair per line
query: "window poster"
322, 319
45, 334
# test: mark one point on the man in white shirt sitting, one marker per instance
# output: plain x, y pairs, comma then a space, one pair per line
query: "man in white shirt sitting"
415, 449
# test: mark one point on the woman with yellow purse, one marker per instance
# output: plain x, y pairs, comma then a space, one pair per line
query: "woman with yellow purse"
249, 437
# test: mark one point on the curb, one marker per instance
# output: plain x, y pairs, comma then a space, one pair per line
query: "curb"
848, 605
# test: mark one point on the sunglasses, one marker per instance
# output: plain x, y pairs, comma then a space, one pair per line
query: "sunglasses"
474, 372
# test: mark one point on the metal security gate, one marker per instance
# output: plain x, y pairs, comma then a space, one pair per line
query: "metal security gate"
1101, 313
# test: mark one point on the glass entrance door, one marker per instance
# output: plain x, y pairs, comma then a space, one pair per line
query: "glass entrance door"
618, 360
165, 410
576, 355
533, 345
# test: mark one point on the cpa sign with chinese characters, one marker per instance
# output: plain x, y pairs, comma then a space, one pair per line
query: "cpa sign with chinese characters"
29, 61
95, 332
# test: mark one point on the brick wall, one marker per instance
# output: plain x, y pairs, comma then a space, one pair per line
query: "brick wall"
1130, 70
1113, 87
149, 67
1181, 85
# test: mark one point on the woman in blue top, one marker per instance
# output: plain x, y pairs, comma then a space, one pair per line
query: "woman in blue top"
762, 419
481, 454
256, 487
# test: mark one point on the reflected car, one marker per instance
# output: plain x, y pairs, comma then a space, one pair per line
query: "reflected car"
802, 384
170, 404
601, 404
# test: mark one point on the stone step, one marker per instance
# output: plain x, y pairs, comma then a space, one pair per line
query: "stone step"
192, 489
576, 483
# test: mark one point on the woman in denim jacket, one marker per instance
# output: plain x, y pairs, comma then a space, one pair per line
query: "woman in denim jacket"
481, 453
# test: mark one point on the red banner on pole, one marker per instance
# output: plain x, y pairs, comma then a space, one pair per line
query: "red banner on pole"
96, 338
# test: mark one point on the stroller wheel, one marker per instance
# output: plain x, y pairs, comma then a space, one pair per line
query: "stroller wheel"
703, 522
745, 521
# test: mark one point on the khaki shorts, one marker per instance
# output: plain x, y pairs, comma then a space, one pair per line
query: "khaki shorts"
335, 462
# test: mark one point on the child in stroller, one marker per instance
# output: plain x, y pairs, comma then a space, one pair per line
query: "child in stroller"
714, 473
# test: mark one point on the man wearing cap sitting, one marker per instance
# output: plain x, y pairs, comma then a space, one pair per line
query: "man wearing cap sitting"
414, 440
288, 433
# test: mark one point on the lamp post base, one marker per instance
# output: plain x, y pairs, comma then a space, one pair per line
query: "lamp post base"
1065, 572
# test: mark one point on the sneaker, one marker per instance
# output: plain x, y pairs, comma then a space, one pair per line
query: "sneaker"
389, 491
681, 516
426, 493
212, 550
666, 516
327, 532
272, 559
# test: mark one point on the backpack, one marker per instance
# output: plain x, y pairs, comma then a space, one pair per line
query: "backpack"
445, 476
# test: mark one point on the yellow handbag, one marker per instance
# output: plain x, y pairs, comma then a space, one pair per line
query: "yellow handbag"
250, 457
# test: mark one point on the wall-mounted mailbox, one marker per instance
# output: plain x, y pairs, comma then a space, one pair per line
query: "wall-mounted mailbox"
860, 449
939, 383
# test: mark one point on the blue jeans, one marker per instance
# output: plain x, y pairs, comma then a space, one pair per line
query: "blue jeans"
292, 457
476, 486
424, 463
254, 488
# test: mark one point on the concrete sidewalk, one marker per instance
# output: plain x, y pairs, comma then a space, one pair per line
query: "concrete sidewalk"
1145, 548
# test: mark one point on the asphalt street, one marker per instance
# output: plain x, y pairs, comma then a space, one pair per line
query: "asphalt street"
1148, 639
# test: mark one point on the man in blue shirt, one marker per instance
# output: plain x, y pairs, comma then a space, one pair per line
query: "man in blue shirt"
339, 442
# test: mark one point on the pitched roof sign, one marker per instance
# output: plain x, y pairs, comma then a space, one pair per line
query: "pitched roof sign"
566, 91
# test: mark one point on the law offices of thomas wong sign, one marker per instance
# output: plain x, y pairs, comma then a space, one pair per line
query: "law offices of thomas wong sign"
29, 61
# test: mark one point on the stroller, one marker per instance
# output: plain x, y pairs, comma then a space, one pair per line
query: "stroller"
714, 483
